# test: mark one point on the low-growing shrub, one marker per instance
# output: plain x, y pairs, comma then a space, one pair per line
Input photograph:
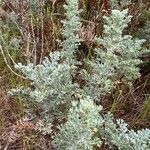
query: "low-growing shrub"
54, 89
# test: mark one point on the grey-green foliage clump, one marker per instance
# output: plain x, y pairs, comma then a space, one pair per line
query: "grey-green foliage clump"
86, 128
53, 79
98, 82
117, 57
121, 51
145, 32
56, 91
52, 82
78, 133
52, 89
71, 26
118, 134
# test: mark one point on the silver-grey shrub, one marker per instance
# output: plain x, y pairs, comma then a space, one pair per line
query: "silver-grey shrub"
71, 26
78, 133
53, 79
61, 98
117, 57
118, 134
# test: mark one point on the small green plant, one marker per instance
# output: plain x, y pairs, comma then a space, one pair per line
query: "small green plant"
52, 83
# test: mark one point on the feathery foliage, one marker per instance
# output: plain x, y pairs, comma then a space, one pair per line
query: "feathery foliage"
145, 32
71, 26
54, 88
119, 135
52, 80
79, 131
117, 57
